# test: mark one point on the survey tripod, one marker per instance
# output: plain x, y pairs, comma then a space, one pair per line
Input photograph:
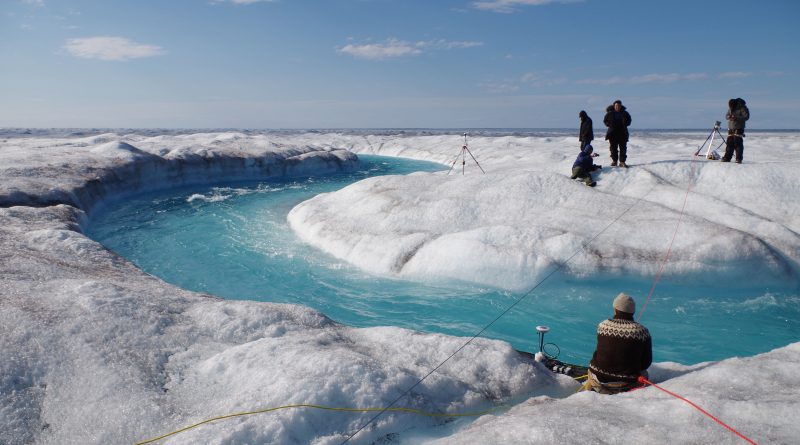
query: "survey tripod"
711, 152
463, 155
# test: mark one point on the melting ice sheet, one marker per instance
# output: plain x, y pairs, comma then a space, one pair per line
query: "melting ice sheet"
233, 241
95, 351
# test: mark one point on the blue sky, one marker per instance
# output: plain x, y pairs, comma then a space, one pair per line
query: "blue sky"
395, 63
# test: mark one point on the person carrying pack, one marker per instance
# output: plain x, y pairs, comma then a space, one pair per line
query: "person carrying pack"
737, 115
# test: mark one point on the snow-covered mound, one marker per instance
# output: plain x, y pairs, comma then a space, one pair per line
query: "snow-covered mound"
731, 390
95, 351
525, 215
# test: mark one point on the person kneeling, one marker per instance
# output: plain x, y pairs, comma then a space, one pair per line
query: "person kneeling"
583, 166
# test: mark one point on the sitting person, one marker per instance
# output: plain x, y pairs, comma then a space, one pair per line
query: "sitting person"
583, 166
624, 351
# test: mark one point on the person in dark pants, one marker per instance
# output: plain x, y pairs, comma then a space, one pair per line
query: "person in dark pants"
737, 115
586, 133
624, 351
617, 120
583, 167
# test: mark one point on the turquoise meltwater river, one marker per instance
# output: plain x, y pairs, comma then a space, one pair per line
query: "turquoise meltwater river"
233, 241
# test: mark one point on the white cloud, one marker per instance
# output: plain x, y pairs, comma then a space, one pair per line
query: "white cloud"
34, 2
499, 88
509, 6
399, 48
539, 80
376, 51
445, 44
734, 75
695, 76
528, 79
111, 48
647, 78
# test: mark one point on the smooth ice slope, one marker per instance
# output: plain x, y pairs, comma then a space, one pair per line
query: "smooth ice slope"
95, 351
525, 215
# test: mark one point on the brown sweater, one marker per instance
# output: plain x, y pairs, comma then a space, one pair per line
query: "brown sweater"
624, 350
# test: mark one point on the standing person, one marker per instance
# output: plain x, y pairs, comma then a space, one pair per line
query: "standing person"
624, 351
617, 120
586, 133
737, 115
583, 167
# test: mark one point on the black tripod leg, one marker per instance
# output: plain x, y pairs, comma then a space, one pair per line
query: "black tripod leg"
476, 161
704, 142
454, 163
724, 140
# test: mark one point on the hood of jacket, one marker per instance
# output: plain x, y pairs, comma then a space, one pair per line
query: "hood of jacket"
611, 108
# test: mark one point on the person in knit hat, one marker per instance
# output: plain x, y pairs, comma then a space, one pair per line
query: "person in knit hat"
624, 351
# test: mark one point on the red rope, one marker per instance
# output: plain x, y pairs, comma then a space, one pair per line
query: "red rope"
669, 249
644, 381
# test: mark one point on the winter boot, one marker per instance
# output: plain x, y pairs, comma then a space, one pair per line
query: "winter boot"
622, 164
613, 163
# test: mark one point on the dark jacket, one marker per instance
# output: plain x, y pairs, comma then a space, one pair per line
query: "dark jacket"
584, 161
737, 115
624, 350
617, 123
586, 133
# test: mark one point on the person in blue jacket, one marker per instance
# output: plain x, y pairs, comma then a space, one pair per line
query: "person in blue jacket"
584, 166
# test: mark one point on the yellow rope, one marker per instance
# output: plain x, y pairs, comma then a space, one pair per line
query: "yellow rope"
328, 408
584, 387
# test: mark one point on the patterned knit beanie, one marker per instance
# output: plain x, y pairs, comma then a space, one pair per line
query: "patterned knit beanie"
624, 303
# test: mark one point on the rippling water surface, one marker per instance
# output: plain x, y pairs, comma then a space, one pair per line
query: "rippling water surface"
232, 240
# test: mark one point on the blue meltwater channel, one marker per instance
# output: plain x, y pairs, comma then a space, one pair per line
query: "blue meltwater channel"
233, 241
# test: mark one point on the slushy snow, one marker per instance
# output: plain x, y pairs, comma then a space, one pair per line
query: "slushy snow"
96, 351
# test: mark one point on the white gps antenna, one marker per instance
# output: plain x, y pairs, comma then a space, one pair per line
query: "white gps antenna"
542, 330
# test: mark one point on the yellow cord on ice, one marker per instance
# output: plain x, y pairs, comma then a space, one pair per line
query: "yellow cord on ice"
328, 408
